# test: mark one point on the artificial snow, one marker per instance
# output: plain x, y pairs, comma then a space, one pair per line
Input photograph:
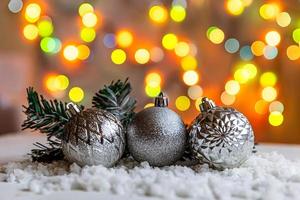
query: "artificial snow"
263, 176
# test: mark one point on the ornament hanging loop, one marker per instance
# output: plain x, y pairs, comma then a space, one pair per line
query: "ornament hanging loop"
206, 104
72, 109
161, 100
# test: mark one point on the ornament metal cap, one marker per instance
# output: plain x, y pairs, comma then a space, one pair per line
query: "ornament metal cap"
72, 109
161, 100
206, 104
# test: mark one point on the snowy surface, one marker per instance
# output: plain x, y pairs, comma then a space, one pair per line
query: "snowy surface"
264, 176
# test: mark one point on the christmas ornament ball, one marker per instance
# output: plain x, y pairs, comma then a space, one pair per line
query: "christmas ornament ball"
221, 137
157, 135
93, 137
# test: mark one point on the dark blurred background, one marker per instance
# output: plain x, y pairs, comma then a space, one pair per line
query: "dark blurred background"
241, 53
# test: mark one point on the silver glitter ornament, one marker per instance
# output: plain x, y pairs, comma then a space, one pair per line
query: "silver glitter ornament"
221, 137
157, 135
93, 137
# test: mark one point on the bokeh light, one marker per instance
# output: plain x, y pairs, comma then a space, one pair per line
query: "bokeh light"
182, 49
293, 52
276, 106
89, 20
153, 79
169, 41
182, 103
188, 63
156, 54
45, 27
268, 79
269, 94
48, 44
76, 94
195, 92
283, 19
246, 53
149, 105
109, 40
15, 6
85, 8
232, 45
177, 13
87, 34
276, 118
245, 73
190, 77
142, 56
257, 48
232, 87
272, 38
296, 35
32, 12
227, 99
152, 91
215, 35
261, 107
118, 56
30, 32
197, 103
158, 14
70, 52
83, 52
61, 82
269, 11
270, 52
50, 82
124, 38
235, 7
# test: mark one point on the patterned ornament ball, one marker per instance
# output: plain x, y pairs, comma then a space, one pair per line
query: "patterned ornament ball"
221, 137
157, 135
93, 137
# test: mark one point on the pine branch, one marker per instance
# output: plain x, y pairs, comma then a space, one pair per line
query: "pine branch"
115, 99
47, 154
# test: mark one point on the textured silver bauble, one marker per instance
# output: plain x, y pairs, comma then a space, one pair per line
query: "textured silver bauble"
157, 135
221, 137
93, 137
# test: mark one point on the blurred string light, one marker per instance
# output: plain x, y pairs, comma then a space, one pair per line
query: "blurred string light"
268, 79
270, 52
88, 34
190, 77
76, 94
276, 106
118, 56
293, 52
182, 103
83, 52
245, 73
89, 19
70, 52
45, 27
261, 107
30, 32
124, 38
283, 19
257, 48
269, 11
272, 38
142, 56
50, 45
232, 45
235, 7
169, 41
54, 82
32, 12
85, 8
246, 53
215, 35
153, 79
269, 94
232, 87
227, 99
152, 91
296, 35
177, 13
276, 118
158, 14
182, 49
156, 54
188, 63
195, 92
109, 40
15, 6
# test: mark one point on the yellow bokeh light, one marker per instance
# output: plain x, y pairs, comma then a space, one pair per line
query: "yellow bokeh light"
245, 73
149, 105
83, 52
283, 19
261, 107
158, 14
32, 12
142, 56
257, 48
269, 11
182, 103
273, 38
268, 79
76, 94
87, 34
182, 49
152, 91
50, 82
177, 13
190, 77
124, 38
89, 19
197, 103
276, 118
45, 27
216, 36
70, 52
232, 87
195, 92
153, 79
189, 63
269, 94
227, 99
169, 41
293, 52
118, 56
61, 82
30, 32
235, 7
85, 8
